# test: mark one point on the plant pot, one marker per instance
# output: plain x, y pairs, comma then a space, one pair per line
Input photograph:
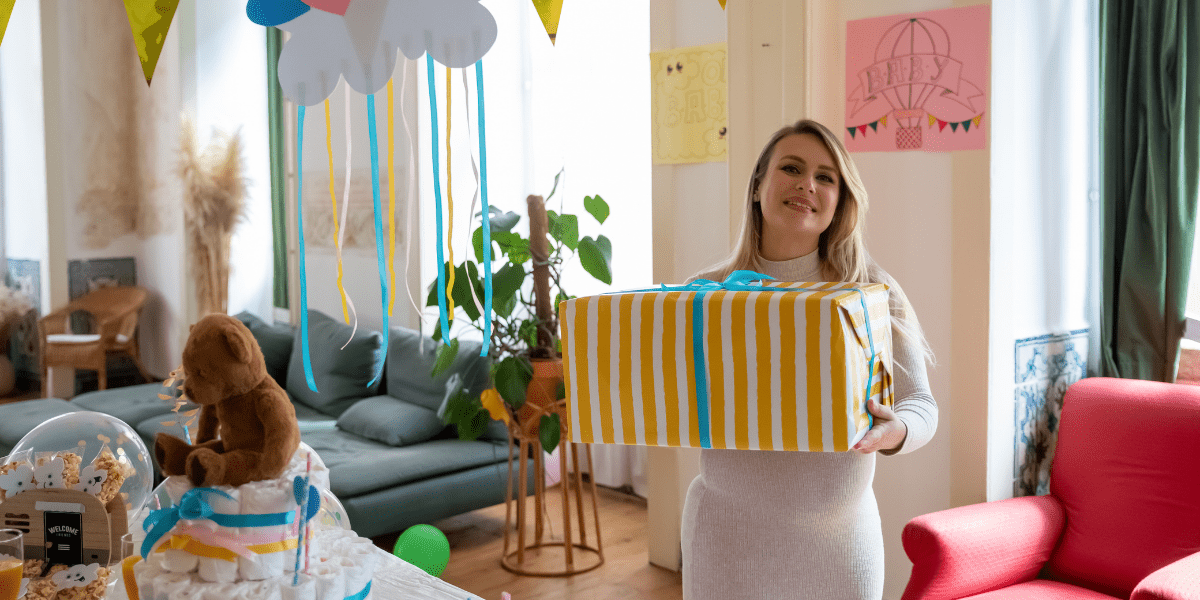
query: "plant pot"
541, 394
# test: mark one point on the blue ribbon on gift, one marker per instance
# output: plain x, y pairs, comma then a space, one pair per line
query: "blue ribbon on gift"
740, 281
361, 595
194, 507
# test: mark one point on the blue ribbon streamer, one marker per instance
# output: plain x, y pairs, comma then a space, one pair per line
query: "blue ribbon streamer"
361, 595
193, 507
437, 201
739, 281
380, 254
308, 372
487, 221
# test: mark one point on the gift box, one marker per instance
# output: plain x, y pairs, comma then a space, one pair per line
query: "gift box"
747, 364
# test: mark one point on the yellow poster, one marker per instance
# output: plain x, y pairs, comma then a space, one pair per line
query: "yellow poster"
150, 20
688, 111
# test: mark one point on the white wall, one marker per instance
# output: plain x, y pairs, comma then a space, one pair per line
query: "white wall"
24, 143
1044, 131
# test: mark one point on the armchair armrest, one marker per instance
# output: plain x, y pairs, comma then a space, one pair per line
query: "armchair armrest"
981, 547
1179, 580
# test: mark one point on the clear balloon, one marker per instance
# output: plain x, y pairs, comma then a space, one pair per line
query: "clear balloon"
332, 514
87, 433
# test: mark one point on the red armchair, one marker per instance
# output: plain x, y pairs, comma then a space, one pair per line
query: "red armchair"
1122, 519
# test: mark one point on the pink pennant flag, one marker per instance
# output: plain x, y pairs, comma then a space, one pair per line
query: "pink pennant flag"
337, 7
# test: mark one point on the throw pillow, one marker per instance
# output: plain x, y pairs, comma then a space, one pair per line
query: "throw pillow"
390, 421
409, 367
276, 344
341, 374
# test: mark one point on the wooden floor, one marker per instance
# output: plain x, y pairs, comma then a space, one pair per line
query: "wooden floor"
477, 541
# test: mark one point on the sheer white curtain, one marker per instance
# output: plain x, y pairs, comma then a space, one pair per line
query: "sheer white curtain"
582, 106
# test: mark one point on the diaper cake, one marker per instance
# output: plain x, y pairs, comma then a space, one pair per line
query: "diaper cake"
245, 511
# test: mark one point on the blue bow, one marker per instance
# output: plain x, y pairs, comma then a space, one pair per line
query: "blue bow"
193, 507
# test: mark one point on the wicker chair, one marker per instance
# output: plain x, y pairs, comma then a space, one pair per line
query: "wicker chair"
114, 313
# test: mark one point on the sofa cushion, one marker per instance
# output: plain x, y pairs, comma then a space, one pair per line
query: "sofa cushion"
276, 344
132, 404
311, 419
409, 367
391, 421
358, 465
341, 374
19, 418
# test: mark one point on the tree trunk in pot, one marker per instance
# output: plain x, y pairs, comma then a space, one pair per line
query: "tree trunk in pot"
539, 249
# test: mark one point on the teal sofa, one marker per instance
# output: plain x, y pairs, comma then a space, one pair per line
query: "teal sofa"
392, 463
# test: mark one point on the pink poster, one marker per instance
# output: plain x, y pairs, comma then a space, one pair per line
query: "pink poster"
918, 81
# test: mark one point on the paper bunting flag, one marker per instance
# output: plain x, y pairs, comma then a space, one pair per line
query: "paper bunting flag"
150, 20
722, 4
976, 120
883, 120
549, 10
6, 8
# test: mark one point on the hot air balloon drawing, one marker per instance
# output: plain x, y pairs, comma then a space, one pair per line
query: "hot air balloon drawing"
912, 70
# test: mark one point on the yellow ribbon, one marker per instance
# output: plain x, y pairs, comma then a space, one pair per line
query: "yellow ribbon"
391, 200
449, 209
333, 199
190, 545
131, 588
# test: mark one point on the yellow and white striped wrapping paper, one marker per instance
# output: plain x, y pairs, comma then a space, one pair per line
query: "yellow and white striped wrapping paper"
784, 370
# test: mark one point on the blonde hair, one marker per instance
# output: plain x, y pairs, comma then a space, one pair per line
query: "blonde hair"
841, 251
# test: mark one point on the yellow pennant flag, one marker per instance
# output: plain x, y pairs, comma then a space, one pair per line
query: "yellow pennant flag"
6, 8
150, 20
932, 119
883, 120
722, 4
975, 121
549, 10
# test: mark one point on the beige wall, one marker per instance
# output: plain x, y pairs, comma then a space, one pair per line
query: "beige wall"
928, 226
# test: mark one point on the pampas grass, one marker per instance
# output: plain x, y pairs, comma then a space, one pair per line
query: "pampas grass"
214, 202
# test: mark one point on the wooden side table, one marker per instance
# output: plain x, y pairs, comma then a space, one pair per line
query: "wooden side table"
542, 557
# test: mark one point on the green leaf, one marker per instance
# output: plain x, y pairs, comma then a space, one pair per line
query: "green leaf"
473, 427
506, 282
503, 307
459, 407
512, 378
597, 206
477, 243
565, 228
555, 188
596, 258
503, 223
527, 331
462, 292
445, 357
549, 431
561, 391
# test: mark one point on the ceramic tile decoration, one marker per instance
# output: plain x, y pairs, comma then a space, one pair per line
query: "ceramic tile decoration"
1046, 366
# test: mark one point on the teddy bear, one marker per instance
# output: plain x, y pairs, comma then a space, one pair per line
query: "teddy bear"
247, 426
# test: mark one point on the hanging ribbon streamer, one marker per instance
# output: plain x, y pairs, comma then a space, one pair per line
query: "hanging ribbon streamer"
487, 223
437, 200
338, 232
475, 196
308, 372
412, 207
449, 207
391, 261
380, 255
341, 240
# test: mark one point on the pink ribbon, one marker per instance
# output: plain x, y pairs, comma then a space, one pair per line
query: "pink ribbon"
238, 544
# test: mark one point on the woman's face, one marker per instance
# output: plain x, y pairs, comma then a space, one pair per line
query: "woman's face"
798, 196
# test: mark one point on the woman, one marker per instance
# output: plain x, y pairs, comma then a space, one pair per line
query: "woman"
774, 524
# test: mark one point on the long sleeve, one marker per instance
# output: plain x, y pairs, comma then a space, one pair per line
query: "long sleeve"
915, 405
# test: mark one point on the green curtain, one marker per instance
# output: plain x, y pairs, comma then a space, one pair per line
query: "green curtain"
278, 179
1149, 134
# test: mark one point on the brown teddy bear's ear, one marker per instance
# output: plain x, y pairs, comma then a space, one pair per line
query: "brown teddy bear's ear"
238, 344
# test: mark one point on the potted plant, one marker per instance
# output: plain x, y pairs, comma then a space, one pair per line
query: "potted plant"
524, 347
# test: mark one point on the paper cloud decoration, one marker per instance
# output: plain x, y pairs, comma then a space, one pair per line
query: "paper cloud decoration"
361, 45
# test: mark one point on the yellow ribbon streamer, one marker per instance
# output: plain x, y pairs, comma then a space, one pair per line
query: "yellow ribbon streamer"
449, 208
194, 547
391, 200
333, 200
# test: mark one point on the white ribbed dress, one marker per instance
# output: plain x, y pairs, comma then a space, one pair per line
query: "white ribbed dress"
796, 525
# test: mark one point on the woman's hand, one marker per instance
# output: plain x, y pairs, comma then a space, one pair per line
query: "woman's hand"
888, 433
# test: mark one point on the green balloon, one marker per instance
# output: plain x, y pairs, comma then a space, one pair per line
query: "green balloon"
425, 547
